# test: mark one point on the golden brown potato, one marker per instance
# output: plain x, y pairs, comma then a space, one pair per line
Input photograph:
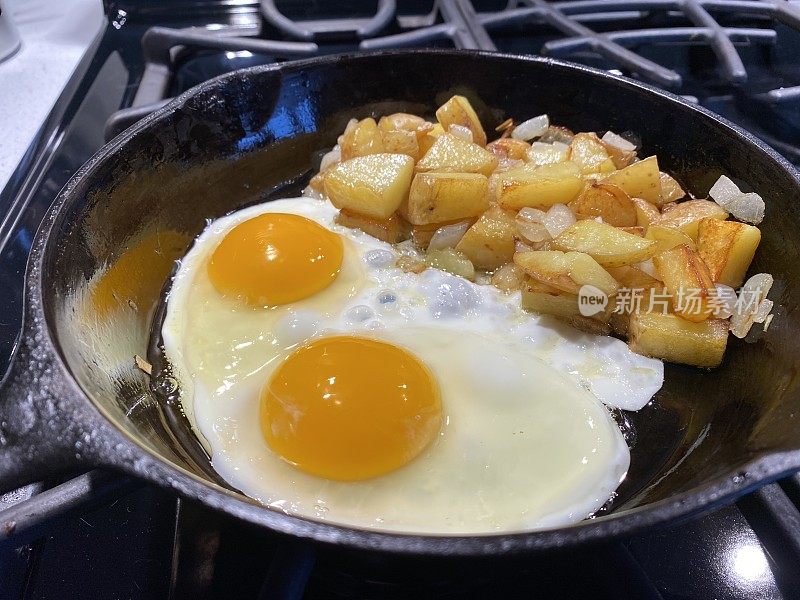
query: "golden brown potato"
390, 230
509, 148
539, 187
489, 243
544, 299
452, 154
633, 278
458, 111
727, 248
671, 190
445, 197
635, 230
452, 261
427, 136
609, 246
400, 122
567, 271
374, 185
639, 180
686, 277
607, 201
686, 216
399, 141
362, 139
621, 158
668, 237
676, 340
646, 213
589, 153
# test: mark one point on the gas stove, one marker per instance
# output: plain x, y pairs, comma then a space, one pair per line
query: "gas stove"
102, 535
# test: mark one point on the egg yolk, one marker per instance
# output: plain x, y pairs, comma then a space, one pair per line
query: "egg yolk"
274, 259
350, 408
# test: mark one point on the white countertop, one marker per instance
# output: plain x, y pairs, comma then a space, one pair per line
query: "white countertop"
55, 35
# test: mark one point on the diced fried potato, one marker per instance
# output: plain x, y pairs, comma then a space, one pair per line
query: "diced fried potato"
374, 185
607, 201
489, 243
400, 141
400, 122
686, 277
427, 136
667, 206
633, 278
317, 183
509, 148
727, 248
667, 237
567, 271
589, 153
541, 298
421, 235
671, 190
390, 230
546, 154
452, 261
454, 155
443, 197
508, 278
635, 230
686, 216
639, 180
361, 140
621, 158
646, 213
673, 339
609, 246
458, 111
539, 187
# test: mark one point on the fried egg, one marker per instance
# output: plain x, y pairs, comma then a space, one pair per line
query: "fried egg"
330, 384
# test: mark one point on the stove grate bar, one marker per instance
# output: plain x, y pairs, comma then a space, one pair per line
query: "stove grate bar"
307, 30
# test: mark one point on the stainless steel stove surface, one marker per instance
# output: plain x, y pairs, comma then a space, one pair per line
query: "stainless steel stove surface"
100, 535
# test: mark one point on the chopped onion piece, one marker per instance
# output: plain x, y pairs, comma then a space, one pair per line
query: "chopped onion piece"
508, 278
612, 139
532, 232
448, 236
465, 133
560, 145
649, 267
331, 158
768, 322
534, 215
749, 304
745, 207
520, 246
763, 311
506, 164
725, 301
558, 218
532, 128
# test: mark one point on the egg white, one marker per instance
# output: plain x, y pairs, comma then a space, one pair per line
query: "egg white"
526, 441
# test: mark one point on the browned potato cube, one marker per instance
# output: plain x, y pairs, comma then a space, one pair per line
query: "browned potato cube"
509, 148
541, 298
635, 230
454, 155
458, 111
445, 197
686, 277
538, 187
362, 139
508, 278
633, 278
639, 180
399, 141
374, 185
727, 248
607, 201
686, 216
667, 237
671, 190
390, 230
401, 122
489, 243
567, 271
676, 340
588, 152
609, 246
427, 136
646, 213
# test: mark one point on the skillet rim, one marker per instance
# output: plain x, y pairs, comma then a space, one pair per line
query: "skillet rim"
146, 464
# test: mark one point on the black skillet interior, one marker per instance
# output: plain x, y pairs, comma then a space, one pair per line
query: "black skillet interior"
257, 135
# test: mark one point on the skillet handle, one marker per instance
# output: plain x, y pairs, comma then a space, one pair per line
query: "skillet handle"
45, 427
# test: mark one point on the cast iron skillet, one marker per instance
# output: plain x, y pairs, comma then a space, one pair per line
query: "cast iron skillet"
74, 398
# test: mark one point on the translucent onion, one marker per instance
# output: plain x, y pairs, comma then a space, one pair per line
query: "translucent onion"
520, 246
753, 304
533, 215
648, 267
619, 142
532, 128
508, 278
726, 301
745, 207
558, 218
331, 158
448, 236
465, 133
532, 232
506, 164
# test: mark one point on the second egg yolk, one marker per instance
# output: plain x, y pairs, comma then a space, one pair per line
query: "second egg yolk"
275, 259
350, 408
